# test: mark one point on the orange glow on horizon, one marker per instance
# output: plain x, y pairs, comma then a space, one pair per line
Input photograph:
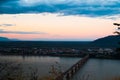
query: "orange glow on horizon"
56, 27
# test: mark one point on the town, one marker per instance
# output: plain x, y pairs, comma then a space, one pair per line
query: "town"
66, 52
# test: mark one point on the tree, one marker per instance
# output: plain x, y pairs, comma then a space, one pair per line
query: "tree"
118, 33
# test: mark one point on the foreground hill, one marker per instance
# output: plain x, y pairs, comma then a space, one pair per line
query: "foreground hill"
109, 41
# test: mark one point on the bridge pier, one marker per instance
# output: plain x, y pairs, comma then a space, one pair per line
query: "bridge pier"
68, 75
76, 69
73, 70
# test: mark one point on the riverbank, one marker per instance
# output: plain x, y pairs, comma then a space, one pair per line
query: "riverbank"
65, 55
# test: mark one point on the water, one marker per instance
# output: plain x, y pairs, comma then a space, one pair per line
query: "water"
94, 69
41, 63
99, 69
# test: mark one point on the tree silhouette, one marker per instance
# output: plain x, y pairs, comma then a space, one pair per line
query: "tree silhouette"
117, 24
118, 33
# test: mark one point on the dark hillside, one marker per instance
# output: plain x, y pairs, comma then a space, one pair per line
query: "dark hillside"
109, 41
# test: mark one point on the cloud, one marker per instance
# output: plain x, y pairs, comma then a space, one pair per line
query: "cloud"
20, 32
114, 17
67, 7
7, 25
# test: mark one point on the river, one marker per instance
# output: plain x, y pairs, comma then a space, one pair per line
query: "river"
99, 69
94, 69
41, 63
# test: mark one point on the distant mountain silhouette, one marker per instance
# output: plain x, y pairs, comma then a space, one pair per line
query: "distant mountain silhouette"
7, 39
109, 41
4, 39
14, 39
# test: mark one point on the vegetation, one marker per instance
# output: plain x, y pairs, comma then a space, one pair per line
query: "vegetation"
14, 71
118, 49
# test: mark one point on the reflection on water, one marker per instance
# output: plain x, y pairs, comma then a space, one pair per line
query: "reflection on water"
99, 69
42, 63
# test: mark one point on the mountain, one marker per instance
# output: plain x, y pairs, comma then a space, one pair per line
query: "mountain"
109, 41
4, 39
7, 39
14, 39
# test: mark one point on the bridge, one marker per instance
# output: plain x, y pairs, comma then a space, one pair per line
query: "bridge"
67, 75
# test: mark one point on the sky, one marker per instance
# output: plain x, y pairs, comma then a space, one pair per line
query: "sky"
58, 20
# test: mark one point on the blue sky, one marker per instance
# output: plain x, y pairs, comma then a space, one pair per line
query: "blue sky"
65, 7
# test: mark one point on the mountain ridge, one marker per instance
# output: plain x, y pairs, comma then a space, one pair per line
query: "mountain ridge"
4, 39
107, 41
111, 41
8, 39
